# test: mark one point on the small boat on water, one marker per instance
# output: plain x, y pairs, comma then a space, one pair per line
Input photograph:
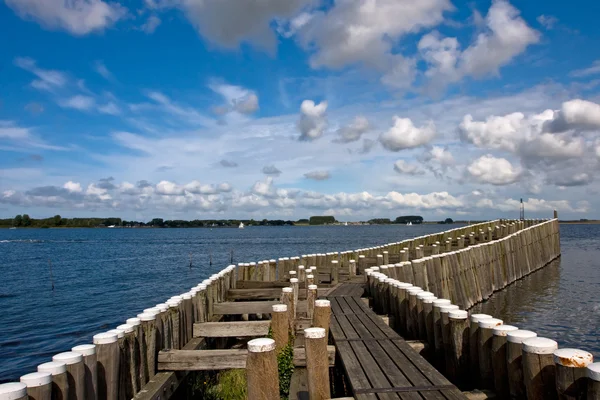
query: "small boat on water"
111, 226
13, 227
409, 223
241, 225
345, 224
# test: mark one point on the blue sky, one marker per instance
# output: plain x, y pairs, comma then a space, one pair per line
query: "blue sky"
358, 108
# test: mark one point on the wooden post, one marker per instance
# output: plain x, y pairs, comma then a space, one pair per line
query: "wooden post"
13, 391
317, 363
261, 370
593, 382
555, 214
499, 367
403, 307
90, 361
539, 372
280, 326
310, 280
421, 319
571, 376
438, 343
39, 385
486, 333
474, 347
287, 298
149, 352
107, 349
514, 362
361, 264
294, 285
459, 332
386, 257
301, 273
412, 321
322, 316
311, 297
428, 317
75, 373
335, 271
188, 316
135, 350
60, 383
446, 337
351, 269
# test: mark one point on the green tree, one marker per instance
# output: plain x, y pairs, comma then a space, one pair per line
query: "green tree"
57, 220
322, 220
26, 220
157, 222
414, 219
18, 221
448, 221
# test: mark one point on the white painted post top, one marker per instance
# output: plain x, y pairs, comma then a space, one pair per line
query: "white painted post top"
53, 367
68, 357
448, 308
322, 303
13, 390
593, 371
36, 379
490, 323
458, 314
279, 307
539, 345
573, 358
479, 317
520, 335
312, 287
105, 338
502, 330
87, 349
261, 345
441, 302
314, 333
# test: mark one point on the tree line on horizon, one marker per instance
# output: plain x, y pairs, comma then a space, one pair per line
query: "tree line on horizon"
25, 221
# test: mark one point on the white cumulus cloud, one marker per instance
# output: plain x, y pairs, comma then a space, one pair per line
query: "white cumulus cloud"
496, 171
313, 120
405, 135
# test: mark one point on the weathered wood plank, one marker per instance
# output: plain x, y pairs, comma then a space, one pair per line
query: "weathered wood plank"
231, 329
272, 285
266, 293
250, 307
212, 360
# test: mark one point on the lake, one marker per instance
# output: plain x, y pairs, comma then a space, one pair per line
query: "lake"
104, 276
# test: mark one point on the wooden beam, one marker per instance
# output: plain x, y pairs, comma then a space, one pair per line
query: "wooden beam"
241, 329
213, 360
250, 307
231, 329
265, 293
270, 285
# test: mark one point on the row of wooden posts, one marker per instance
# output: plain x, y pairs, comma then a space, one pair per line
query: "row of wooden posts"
477, 350
121, 362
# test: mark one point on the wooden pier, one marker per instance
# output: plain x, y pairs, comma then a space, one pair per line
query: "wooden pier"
346, 323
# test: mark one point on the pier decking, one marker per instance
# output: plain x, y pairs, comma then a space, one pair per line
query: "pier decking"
379, 364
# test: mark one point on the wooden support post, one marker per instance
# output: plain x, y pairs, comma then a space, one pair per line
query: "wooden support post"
428, 317
539, 371
446, 337
311, 297
261, 370
317, 363
386, 258
486, 334
295, 288
135, 352
310, 280
459, 332
39, 385
60, 383
571, 379
352, 269
514, 362
474, 347
90, 361
188, 316
412, 321
107, 349
301, 273
75, 373
280, 326
593, 382
322, 315
438, 343
148, 347
13, 391
335, 271
499, 366
421, 319
287, 298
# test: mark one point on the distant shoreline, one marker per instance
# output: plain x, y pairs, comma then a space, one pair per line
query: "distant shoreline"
589, 222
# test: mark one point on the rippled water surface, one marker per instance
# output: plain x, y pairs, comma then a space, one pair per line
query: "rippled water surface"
103, 276
562, 300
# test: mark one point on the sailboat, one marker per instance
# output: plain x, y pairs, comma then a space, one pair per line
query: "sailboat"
345, 224
241, 225
409, 223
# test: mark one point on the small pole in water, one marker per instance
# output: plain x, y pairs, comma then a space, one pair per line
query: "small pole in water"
210, 258
231, 256
51, 276
191, 261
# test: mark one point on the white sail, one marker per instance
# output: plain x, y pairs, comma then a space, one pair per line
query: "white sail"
241, 225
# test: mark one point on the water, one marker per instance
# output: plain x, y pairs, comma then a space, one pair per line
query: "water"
562, 300
104, 276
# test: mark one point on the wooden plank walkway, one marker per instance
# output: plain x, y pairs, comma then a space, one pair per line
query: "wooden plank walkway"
379, 364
